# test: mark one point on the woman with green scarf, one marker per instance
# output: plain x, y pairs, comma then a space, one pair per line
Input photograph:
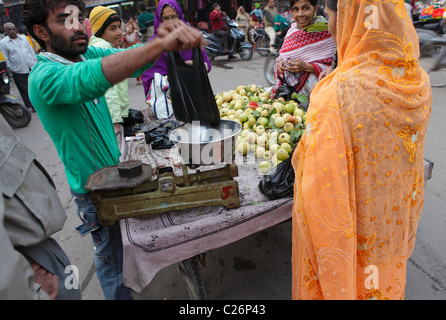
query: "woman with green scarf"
307, 49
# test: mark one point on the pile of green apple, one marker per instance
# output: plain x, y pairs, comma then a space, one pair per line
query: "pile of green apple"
270, 127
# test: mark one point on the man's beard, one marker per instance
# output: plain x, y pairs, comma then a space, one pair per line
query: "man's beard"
66, 48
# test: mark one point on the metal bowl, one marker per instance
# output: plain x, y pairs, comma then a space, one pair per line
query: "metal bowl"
205, 145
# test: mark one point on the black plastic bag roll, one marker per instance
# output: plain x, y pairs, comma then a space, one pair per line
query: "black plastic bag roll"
191, 91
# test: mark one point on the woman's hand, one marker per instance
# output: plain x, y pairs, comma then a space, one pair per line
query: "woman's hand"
281, 66
324, 73
296, 66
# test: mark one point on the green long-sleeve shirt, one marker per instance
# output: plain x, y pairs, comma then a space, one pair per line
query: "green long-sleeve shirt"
69, 99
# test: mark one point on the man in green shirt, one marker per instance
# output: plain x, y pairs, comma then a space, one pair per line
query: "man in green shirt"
145, 22
67, 87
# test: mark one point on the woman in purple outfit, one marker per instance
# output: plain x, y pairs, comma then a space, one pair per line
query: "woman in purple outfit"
165, 11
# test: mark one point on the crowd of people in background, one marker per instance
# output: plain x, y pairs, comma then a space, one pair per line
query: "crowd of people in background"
144, 19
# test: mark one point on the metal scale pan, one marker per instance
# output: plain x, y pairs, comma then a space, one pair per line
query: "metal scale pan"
204, 145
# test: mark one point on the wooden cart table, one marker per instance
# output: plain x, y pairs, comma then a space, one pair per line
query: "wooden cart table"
158, 240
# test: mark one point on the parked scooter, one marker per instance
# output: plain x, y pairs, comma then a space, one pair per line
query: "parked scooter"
236, 43
15, 113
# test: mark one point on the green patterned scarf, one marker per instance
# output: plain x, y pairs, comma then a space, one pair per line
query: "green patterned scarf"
319, 24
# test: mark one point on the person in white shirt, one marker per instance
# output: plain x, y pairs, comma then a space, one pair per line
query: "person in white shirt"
20, 58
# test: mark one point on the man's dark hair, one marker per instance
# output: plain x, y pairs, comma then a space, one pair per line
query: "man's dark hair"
36, 12
332, 4
142, 6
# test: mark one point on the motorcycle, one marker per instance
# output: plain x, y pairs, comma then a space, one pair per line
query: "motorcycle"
436, 65
270, 61
11, 108
435, 25
427, 47
261, 40
236, 42
427, 31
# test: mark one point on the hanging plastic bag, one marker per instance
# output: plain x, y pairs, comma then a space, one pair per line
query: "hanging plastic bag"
158, 97
190, 90
279, 184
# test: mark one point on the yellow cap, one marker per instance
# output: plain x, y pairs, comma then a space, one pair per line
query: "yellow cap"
98, 16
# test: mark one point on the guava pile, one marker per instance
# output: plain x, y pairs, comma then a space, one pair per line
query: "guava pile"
270, 128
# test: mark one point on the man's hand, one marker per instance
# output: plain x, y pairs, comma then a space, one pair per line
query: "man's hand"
177, 36
48, 281
171, 36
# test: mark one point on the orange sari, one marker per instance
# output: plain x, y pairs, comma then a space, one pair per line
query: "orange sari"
359, 165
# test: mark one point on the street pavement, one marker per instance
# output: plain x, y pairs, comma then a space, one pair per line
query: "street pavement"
259, 266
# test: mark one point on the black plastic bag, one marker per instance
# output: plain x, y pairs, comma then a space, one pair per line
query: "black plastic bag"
279, 184
159, 139
191, 91
284, 90
132, 124
157, 133
135, 116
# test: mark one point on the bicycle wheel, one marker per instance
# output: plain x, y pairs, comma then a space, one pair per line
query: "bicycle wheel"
269, 69
190, 270
262, 45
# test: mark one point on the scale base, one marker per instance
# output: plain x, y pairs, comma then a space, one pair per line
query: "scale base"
166, 193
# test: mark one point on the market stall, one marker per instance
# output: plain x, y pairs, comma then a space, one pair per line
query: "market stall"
180, 236
173, 208
172, 211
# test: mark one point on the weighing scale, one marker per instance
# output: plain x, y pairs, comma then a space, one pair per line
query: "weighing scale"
134, 189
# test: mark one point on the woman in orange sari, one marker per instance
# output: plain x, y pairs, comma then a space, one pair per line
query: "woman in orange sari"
359, 165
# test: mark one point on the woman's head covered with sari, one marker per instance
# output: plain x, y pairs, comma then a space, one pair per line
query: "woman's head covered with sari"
159, 9
359, 165
241, 11
160, 65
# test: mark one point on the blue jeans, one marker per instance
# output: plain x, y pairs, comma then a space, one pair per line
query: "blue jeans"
108, 244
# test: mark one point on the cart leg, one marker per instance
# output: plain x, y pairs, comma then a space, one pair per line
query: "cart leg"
190, 270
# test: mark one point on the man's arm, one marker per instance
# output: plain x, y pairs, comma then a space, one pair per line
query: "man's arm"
172, 36
268, 16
